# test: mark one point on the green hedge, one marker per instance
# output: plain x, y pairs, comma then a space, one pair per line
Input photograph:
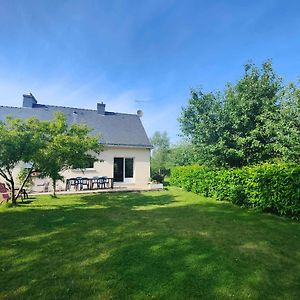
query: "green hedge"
269, 186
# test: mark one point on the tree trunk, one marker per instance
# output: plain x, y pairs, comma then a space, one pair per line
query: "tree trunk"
24, 182
12, 190
12, 186
54, 187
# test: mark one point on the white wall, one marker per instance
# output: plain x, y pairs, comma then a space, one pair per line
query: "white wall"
141, 168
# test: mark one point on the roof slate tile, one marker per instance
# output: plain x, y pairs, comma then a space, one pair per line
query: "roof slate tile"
115, 129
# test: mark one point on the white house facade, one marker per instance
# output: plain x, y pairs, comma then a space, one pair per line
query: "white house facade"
126, 147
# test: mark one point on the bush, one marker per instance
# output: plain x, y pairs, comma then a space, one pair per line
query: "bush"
230, 185
197, 179
158, 178
271, 187
275, 187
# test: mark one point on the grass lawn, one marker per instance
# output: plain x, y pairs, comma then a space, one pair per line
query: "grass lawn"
153, 245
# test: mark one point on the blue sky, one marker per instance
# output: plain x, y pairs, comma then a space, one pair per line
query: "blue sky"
77, 53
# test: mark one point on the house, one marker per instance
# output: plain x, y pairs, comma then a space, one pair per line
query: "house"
126, 155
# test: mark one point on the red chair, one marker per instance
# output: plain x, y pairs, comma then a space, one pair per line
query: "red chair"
4, 192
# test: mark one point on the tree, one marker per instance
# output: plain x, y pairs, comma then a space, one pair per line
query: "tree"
20, 141
182, 154
201, 123
49, 146
65, 147
250, 107
235, 128
160, 153
288, 126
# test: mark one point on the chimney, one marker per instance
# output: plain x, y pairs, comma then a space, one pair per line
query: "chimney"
29, 100
101, 108
75, 116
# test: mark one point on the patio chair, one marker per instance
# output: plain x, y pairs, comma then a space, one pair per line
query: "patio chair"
102, 182
46, 187
81, 182
94, 181
71, 182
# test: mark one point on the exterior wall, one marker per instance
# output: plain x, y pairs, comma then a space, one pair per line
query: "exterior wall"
141, 164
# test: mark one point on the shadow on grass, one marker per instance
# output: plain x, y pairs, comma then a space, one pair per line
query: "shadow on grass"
128, 200
24, 202
151, 245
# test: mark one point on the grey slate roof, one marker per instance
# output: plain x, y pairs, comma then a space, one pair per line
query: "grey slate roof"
116, 129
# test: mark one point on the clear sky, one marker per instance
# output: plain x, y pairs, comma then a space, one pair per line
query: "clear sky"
143, 54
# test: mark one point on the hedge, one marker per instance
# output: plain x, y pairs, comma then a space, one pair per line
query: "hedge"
271, 187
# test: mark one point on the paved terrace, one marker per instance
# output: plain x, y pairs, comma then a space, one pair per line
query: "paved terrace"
114, 190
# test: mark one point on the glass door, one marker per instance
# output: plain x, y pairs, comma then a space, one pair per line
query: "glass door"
123, 169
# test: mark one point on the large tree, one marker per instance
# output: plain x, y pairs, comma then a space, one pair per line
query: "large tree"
182, 153
236, 128
49, 146
66, 147
250, 107
288, 126
201, 123
20, 141
160, 153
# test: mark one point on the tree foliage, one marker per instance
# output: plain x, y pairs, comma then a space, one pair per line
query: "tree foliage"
20, 141
160, 153
49, 146
182, 154
255, 120
65, 147
288, 125
201, 122
23, 177
166, 156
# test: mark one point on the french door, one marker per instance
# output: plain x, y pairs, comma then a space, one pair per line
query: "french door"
123, 169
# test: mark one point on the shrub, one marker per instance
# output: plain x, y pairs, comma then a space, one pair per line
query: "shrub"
271, 187
158, 178
197, 179
231, 185
275, 187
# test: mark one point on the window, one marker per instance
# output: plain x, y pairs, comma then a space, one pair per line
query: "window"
89, 164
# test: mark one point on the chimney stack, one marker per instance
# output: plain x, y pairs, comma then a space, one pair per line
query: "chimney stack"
101, 108
29, 100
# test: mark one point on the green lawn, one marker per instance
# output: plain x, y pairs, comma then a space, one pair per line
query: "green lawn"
153, 245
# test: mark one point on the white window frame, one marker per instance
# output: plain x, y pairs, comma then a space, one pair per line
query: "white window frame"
129, 179
85, 169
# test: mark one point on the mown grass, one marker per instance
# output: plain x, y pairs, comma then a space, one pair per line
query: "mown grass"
155, 245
